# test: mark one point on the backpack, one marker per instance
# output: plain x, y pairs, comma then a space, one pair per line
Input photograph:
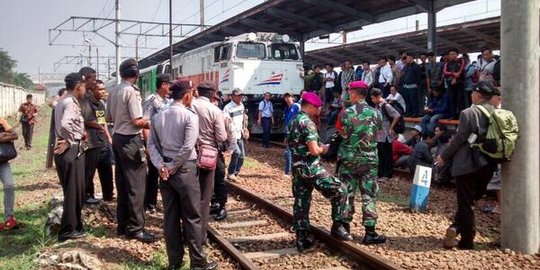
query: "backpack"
400, 126
502, 134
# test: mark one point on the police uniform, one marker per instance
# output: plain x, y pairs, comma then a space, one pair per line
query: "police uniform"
309, 173
70, 163
151, 106
123, 106
171, 145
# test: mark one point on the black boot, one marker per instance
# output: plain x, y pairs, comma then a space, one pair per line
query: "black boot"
338, 231
214, 208
372, 237
347, 227
302, 241
220, 214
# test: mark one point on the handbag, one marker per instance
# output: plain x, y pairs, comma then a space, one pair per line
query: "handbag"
7, 151
207, 157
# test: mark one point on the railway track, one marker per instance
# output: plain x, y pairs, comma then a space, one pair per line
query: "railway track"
258, 235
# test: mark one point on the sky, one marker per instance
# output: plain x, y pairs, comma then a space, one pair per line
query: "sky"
24, 26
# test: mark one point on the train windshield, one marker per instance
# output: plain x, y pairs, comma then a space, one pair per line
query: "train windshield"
250, 50
284, 51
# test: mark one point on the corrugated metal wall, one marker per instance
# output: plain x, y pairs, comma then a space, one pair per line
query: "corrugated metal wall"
11, 97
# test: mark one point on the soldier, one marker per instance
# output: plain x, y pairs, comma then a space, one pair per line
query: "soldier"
69, 156
171, 148
308, 173
124, 109
358, 158
151, 106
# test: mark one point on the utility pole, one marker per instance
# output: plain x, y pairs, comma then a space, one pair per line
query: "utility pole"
202, 14
170, 40
520, 217
432, 28
117, 32
97, 63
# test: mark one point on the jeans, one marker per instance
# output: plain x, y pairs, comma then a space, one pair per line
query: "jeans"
429, 122
288, 160
237, 158
266, 123
9, 188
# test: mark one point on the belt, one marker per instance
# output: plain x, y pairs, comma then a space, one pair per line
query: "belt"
123, 135
414, 85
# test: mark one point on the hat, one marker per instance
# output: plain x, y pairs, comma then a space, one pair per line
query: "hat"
312, 99
236, 92
486, 88
418, 128
208, 85
358, 84
180, 87
73, 78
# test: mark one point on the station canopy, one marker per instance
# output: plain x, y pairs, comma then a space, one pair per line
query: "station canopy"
303, 20
466, 37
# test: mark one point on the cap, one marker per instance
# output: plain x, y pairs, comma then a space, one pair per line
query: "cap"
358, 84
179, 87
236, 92
208, 85
418, 128
73, 78
312, 99
487, 88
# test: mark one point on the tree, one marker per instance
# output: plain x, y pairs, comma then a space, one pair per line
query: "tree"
9, 75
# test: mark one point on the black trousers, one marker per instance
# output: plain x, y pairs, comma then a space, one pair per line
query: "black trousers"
99, 159
181, 195
28, 133
70, 169
220, 187
130, 175
456, 95
469, 188
385, 168
206, 181
150, 196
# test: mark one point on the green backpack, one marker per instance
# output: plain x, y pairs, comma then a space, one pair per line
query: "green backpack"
502, 134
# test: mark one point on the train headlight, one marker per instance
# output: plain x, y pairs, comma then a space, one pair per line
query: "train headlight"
285, 38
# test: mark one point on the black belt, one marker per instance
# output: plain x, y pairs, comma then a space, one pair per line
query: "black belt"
128, 136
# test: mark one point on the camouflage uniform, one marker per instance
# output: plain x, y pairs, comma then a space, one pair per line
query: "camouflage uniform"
308, 173
358, 157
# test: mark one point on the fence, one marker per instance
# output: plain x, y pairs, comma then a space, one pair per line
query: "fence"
11, 97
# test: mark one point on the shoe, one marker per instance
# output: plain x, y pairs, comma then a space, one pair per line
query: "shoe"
450, 238
287, 176
373, 238
11, 224
214, 209
347, 227
232, 178
221, 214
91, 201
465, 246
302, 241
175, 267
338, 231
209, 266
143, 236
71, 235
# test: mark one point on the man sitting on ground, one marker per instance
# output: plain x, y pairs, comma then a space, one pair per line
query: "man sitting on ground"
421, 154
416, 136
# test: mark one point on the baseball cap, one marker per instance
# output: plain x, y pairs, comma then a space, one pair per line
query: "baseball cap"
418, 128
487, 87
312, 99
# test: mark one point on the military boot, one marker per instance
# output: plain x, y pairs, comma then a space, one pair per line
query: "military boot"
372, 237
338, 231
302, 241
214, 208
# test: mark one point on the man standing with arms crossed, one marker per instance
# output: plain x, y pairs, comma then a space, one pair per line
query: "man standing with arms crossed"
358, 155
171, 148
125, 111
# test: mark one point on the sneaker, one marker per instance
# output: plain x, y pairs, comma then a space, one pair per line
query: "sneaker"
11, 224
232, 178
450, 241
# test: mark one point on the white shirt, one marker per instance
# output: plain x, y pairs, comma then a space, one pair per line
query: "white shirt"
367, 77
266, 108
329, 84
236, 112
399, 98
386, 74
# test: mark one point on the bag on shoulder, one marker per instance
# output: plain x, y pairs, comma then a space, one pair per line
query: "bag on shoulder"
7, 151
400, 126
501, 137
207, 158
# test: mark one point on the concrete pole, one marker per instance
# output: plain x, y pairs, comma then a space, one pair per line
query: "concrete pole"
201, 15
171, 51
520, 216
117, 45
432, 29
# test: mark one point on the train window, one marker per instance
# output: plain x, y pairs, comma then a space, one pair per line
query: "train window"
250, 50
222, 53
284, 51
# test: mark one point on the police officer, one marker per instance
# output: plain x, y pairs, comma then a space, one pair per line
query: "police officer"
472, 170
358, 158
212, 133
171, 147
69, 156
309, 173
124, 109
151, 106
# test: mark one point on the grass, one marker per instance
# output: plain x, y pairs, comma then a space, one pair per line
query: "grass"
394, 199
158, 262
